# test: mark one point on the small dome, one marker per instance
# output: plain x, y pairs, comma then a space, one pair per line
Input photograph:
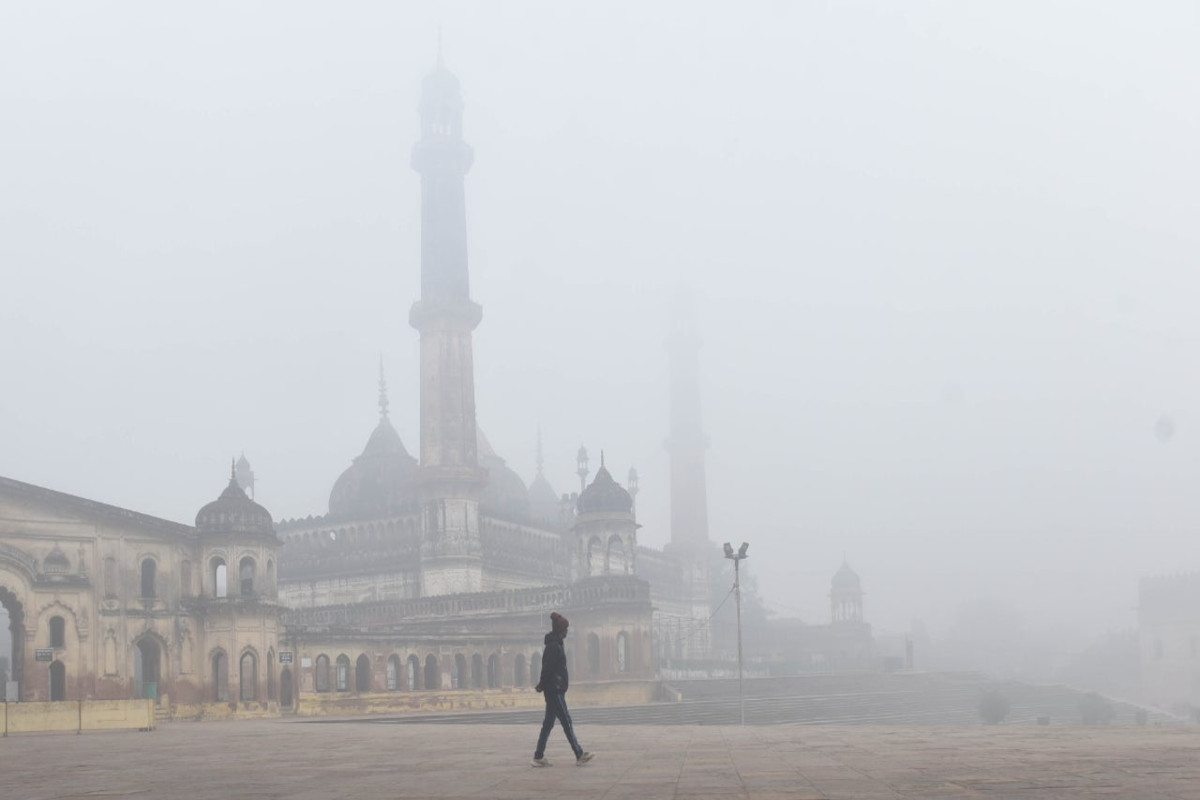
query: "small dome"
543, 501
380, 481
605, 495
846, 579
56, 562
234, 512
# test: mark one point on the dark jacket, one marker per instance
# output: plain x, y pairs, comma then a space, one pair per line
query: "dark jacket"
554, 665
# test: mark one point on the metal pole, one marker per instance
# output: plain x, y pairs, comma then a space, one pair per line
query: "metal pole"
737, 590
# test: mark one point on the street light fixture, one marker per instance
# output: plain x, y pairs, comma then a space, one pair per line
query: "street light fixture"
736, 558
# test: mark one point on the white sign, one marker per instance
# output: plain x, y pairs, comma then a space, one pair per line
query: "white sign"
306, 662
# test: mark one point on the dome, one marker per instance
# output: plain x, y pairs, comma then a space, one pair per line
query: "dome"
543, 501
605, 495
505, 492
56, 562
234, 512
846, 579
380, 481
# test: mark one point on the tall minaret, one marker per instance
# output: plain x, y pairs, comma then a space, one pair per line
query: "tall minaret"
687, 443
445, 316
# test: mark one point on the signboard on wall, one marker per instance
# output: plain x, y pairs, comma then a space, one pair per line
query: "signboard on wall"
43, 654
285, 656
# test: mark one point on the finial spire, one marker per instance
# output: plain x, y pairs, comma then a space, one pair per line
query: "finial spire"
383, 398
233, 469
540, 459
601, 459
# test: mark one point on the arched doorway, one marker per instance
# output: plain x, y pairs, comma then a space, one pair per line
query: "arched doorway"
362, 674
433, 678
145, 669
58, 681
285, 688
12, 621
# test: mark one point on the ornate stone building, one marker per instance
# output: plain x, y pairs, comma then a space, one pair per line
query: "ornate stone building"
431, 572
108, 603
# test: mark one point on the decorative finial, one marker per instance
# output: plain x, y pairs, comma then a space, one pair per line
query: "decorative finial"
601, 459
383, 398
540, 459
233, 469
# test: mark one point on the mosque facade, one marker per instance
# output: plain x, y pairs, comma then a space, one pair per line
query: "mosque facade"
431, 571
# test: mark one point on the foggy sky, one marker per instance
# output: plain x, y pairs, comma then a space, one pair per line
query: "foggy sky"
945, 258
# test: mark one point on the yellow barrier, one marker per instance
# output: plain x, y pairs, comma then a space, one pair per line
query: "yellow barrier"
77, 716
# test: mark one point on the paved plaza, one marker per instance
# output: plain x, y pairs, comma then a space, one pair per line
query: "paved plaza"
297, 759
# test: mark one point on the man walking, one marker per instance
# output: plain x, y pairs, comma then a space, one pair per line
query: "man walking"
553, 684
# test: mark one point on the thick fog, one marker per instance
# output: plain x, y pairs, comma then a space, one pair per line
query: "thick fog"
944, 259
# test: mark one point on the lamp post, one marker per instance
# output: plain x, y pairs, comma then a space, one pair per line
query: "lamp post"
633, 489
736, 558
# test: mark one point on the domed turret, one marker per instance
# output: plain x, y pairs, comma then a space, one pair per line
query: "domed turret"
846, 579
604, 495
234, 513
380, 481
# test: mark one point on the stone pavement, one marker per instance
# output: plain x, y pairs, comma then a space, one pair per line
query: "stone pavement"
298, 760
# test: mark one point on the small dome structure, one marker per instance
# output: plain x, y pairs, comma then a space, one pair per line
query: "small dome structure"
604, 495
234, 512
56, 562
846, 579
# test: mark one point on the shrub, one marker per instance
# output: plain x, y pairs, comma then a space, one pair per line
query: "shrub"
993, 707
1095, 709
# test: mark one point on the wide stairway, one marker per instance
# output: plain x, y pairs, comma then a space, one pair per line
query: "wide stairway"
861, 699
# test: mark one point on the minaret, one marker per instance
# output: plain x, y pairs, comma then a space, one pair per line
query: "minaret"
687, 443
445, 316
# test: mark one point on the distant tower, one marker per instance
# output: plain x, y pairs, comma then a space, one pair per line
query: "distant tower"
581, 467
245, 475
846, 597
445, 316
687, 442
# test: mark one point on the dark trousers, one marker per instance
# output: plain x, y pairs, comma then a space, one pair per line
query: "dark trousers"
556, 708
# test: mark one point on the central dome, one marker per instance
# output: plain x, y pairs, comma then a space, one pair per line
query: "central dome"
381, 481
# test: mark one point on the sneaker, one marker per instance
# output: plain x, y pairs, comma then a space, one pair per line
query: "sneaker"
583, 758
540, 762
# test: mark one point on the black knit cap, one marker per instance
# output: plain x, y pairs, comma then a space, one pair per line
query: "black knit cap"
558, 622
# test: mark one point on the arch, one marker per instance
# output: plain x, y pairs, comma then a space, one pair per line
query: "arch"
269, 578
412, 670
58, 681
246, 576
519, 670
285, 688
593, 653
220, 673
58, 627
362, 674
432, 678
219, 574
185, 578
477, 671
616, 559
393, 673
147, 664
342, 674
535, 669
270, 674
594, 566
493, 671
248, 677
458, 673
622, 652
321, 673
149, 573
